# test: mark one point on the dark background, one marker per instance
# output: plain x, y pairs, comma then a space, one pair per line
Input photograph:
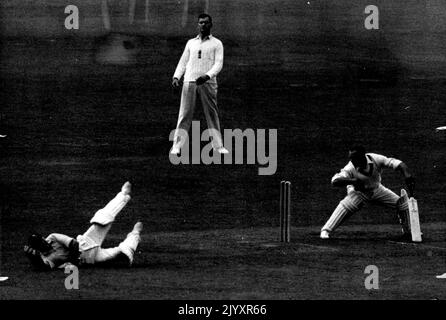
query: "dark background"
78, 127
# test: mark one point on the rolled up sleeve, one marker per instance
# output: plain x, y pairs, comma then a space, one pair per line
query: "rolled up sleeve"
386, 162
60, 238
345, 172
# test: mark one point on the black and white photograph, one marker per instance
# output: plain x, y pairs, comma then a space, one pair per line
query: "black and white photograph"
234, 151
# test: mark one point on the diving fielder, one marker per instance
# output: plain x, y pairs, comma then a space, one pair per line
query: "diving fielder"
362, 177
201, 61
58, 249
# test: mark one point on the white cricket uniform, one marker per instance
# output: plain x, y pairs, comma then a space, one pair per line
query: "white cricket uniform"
374, 190
90, 242
200, 57
59, 253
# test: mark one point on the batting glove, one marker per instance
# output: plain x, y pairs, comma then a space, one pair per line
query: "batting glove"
359, 185
410, 183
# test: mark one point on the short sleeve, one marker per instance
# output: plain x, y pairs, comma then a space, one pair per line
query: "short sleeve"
345, 172
383, 161
59, 238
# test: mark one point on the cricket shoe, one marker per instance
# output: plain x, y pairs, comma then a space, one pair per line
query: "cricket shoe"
126, 188
222, 150
129, 245
325, 234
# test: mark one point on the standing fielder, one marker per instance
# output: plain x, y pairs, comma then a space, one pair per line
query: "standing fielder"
58, 249
200, 63
362, 177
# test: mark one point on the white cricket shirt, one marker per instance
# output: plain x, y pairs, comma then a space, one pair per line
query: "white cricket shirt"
200, 57
371, 179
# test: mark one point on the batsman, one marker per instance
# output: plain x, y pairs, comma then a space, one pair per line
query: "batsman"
57, 249
362, 178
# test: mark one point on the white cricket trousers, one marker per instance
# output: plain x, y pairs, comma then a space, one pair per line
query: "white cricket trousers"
90, 242
355, 201
207, 93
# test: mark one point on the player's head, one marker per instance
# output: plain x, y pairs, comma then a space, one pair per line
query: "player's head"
38, 243
204, 23
356, 155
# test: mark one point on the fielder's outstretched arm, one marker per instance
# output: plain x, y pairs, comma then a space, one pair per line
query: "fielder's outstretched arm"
181, 67
35, 258
60, 238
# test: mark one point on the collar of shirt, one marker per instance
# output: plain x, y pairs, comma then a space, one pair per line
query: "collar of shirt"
209, 37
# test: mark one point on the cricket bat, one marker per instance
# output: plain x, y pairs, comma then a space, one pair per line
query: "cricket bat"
414, 217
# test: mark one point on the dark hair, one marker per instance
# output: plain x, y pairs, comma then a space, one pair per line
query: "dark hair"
358, 149
204, 16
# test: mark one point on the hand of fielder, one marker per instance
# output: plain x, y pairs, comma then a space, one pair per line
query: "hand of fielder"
202, 79
175, 83
29, 251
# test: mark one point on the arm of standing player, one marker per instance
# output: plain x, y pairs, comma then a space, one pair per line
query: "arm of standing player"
181, 67
218, 62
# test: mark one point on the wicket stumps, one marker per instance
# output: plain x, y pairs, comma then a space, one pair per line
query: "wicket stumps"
285, 211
